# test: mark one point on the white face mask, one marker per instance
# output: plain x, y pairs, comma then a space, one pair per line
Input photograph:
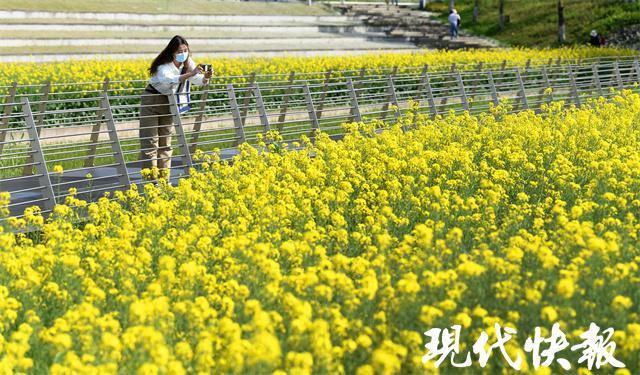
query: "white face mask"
182, 57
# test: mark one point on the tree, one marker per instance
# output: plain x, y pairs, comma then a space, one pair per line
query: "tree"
501, 9
561, 25
451, 5
475, 11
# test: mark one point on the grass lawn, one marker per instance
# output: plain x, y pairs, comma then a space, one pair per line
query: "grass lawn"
168, 6
535, 22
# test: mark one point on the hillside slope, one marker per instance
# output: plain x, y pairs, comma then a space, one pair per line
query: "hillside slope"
535, 23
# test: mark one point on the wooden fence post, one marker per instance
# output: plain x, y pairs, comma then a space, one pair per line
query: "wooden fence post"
116, 148
616, 69
596, 79
432, 102
39, 121
197, 125
547, 81
492, 87
325, 87
285, 102
522, 92
574, 87
262, 110
95, 130
237, 117
473, 89
355, 87
355, 109
392, 99
41, 165
247, 97
8, 109
463, 93
187, 162
315, 125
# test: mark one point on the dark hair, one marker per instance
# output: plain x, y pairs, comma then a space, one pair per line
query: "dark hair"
167, 53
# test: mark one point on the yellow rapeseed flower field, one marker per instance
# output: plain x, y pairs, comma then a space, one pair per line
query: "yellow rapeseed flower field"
337, 258
231, 68
84, 79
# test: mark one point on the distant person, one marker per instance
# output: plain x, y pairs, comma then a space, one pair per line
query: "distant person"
597, 39
171, 72
454, 23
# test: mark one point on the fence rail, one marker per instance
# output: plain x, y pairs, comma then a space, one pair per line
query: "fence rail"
95, 138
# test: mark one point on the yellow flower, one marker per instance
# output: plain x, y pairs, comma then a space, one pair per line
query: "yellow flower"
565, 288
621, 303
409, 284
470, 268
148, 369
549, 314
428, 314
183, 351
463, 319
479, 312
622, 371
58, 169
364, 341
5, 200
303, 262
365, 370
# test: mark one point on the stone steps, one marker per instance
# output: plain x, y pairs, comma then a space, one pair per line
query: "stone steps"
206, 43
135, 18
419, 27
63, 36
249, 30
58, 36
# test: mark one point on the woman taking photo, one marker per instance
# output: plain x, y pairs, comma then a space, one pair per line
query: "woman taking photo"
171, 71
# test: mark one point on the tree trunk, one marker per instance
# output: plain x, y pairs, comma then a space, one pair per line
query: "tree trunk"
451, 5
561, 25
475, 11
501, 10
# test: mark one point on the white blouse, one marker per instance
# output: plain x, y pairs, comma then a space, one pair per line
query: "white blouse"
167, 78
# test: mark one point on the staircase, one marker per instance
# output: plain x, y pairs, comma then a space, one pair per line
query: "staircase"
411, 24
60, 36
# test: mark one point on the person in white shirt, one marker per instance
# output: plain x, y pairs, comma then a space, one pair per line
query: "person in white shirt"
170, 71
454, 22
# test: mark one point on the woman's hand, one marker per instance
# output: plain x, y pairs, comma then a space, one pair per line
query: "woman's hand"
195, 71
